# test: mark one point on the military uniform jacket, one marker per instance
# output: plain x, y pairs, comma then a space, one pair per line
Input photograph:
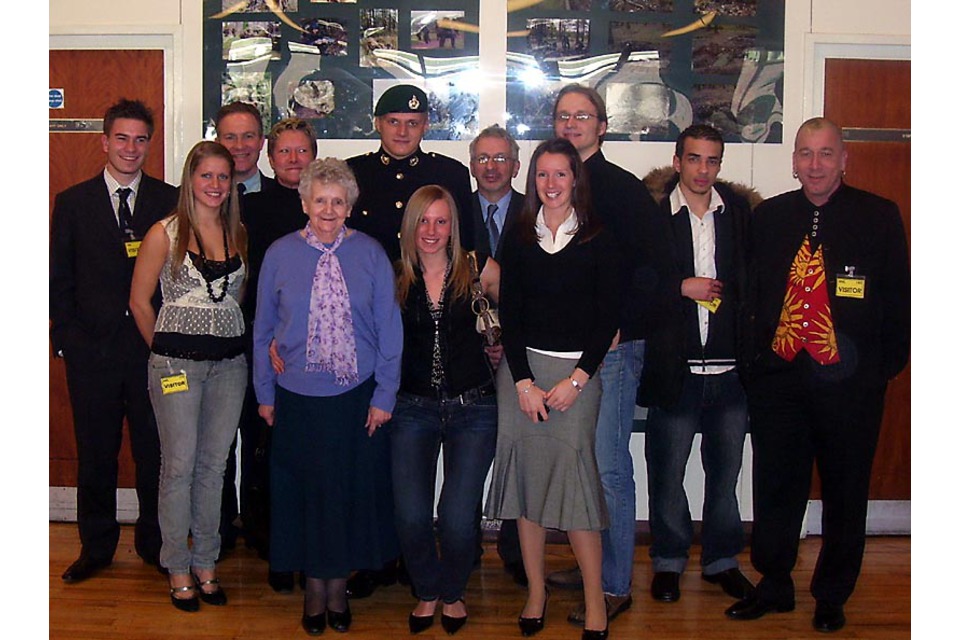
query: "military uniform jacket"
386, 185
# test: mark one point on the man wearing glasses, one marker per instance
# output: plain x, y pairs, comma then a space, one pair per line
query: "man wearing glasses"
494, 162
626, 207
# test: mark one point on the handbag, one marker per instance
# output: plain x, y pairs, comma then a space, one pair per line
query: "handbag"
488, 321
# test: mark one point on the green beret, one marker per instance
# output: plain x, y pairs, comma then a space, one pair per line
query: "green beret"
401, 98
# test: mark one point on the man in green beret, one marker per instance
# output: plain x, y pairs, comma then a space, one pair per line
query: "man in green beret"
389, 176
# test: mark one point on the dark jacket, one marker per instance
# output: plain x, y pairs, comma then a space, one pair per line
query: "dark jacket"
90, 271
860, 232
670, 347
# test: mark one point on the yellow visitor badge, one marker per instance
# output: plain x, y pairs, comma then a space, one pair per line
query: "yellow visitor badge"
174, 384
132, 247
709, 305
851, 286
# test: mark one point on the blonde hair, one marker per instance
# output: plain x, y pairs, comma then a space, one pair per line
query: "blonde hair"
186, 213
461, 277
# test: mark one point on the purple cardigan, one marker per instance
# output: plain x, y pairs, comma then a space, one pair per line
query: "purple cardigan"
283, 300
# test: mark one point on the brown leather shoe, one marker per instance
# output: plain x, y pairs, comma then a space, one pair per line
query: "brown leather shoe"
566, 579
615, 606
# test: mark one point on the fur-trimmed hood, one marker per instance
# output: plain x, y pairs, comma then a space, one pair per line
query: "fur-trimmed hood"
661, 181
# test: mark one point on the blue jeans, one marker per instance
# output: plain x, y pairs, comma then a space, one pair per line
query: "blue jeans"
196, 429
620, 375
716, 406
469, 437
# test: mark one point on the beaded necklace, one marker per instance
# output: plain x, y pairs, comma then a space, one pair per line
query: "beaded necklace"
436, 312
206, 267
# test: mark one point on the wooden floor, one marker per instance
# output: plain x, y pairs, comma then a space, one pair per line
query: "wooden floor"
129, 601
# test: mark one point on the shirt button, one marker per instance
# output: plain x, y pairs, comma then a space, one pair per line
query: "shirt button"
399, 176
806, 306
364, 212
806, 324
399, 204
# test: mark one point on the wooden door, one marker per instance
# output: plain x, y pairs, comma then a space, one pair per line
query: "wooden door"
92, 80
870, 100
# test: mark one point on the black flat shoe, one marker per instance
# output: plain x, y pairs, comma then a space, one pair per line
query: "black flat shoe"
189, 605
590, 634
828, 617
753, 607
419, 623
665, 586
84, 568
733, 583
281, 581
532, 626
339, 621
314, 625
451, 624
216, 597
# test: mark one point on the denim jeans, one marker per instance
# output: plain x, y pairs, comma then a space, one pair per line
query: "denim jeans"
196, 429
468, 434
620, 375
716, 406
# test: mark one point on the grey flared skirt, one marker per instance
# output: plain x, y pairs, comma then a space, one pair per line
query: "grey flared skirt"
546, 472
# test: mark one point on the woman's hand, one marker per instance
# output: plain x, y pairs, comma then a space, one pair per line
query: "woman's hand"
275, 360
531, 401
563, 394
375, 419
267, 412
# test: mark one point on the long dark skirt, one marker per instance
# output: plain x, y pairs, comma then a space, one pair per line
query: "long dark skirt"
330, 487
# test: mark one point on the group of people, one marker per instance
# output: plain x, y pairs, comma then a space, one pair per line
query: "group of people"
329, 315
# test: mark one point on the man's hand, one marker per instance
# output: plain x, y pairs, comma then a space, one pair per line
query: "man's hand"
701, 288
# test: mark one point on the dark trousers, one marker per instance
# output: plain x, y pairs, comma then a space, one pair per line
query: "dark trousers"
800, 418
254, 505
106, 383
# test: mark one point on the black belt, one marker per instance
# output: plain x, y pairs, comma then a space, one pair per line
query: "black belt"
467, 397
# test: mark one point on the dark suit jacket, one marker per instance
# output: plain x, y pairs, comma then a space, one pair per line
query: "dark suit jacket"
858, 230
481, 238
90, 272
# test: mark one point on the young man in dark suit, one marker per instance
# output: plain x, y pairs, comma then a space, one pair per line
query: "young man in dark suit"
96, 230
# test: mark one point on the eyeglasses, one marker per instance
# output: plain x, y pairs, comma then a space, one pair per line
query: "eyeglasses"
580, 116
499, 159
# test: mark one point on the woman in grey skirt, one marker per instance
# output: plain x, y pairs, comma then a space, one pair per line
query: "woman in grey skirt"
558, 301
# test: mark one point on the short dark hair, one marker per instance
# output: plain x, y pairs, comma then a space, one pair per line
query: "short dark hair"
131, 110
238, 107
698, 132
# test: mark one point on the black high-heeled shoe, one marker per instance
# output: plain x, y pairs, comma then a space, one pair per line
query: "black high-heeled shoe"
189, 605
419, 623
340, 621
590, 634
217, 597
451, 624
533, 626
314, 625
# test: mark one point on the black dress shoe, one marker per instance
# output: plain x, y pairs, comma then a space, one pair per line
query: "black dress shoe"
314, 625
281, 581
517, 572
452, 624
753, 607
533, 626
363, 583
828, 617
733, 583
590, 634
84, 568
665, 586
419, 623
339, 621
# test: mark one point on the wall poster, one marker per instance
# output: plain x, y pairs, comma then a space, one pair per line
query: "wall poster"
661, 65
